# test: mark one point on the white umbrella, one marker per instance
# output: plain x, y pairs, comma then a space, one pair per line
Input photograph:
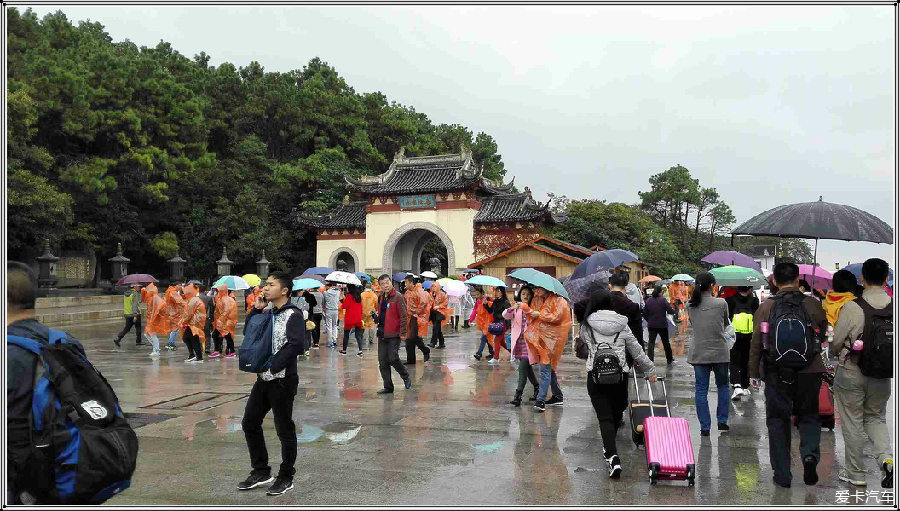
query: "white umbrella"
429, 275
342, 277
454, 287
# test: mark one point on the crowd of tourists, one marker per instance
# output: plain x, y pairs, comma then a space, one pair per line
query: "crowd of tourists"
735, 338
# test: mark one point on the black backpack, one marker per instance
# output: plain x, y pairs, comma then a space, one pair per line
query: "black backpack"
83, 450
607, 368
877, 357
792, 338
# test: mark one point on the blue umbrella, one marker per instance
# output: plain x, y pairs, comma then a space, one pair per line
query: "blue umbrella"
301, 284
363, 276
399, 276
427, 284
856, 269
485, 280
608, 259
319, 270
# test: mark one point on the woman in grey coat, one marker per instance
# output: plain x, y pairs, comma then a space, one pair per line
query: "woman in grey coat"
709, 350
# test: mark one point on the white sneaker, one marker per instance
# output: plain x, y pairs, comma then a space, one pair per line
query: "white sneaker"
188, 361
843, 476
738, 392
197, 362
494, 362
154, 354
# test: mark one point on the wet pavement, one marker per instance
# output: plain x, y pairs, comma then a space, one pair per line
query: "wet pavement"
450, 440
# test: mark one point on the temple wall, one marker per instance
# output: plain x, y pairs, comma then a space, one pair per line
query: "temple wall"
326, 251
457, 224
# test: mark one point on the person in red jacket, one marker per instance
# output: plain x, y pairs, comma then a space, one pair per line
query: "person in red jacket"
393, 322
352, 307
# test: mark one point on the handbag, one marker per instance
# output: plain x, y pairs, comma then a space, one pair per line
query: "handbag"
730, 335
497, 328
581, 348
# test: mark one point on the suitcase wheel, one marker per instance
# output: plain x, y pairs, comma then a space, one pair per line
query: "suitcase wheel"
654, 473
690, 475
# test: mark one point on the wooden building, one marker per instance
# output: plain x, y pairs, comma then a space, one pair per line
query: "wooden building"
549, 255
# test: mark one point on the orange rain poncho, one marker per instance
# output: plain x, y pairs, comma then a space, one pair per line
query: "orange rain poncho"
173, 309
483, 318
252, 295
157, 322
226, 313
145, 293
551, 328
194, 313
418, 305
440, 302
369, 303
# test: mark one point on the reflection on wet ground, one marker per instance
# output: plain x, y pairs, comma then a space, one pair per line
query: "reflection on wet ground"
453, 430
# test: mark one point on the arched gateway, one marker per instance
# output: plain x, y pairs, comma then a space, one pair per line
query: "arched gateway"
421, 203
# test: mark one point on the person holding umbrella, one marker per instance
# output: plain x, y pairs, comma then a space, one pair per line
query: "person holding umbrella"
132, 314
553, 318
741, 308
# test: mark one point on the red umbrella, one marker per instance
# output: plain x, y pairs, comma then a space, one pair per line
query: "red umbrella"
136, 279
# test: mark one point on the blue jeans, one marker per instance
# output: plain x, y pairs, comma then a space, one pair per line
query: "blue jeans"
172, 337
701, 391
548, 382
484, 343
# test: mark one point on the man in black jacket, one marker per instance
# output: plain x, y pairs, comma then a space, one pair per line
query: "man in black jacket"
21, 293
744, 302
623, 305
275, 388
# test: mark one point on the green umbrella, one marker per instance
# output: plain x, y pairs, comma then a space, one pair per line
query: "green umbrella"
540, 279
683, 277
738, 276
485, 280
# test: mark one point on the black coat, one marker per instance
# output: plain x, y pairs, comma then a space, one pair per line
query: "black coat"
624, 306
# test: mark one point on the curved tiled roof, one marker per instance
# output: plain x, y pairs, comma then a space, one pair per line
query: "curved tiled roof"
346, 216
519, 207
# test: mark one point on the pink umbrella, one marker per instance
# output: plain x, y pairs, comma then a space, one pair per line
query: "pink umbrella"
818, 277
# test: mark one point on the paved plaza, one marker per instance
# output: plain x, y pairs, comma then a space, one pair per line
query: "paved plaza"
450, 440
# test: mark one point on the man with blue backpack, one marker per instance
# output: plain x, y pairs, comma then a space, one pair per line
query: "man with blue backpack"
788, 330
68, 441
276, 385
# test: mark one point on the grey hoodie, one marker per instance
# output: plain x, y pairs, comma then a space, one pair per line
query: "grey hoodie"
604, 325
634, 294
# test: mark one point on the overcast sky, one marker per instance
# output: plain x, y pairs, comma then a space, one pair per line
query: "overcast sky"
769, 104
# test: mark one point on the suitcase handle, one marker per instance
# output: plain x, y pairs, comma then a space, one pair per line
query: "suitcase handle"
665, 395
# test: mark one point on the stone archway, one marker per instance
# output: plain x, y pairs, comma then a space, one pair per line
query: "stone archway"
409, 240
346, 254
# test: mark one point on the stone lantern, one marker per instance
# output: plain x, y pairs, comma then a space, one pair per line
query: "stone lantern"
262, 267
341, 265
47, 267
223, 266
176, 268
119, 264
434, 264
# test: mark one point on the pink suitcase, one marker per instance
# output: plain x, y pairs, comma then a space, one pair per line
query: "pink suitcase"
670, 454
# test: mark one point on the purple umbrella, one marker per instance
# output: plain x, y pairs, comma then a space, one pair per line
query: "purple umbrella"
818, 277
581, 289
731, 258
136, 279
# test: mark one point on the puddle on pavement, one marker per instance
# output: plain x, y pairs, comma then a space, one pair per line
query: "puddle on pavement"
489, 448
454, 366
336, 433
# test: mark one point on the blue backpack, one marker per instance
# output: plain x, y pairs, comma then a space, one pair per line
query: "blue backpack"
83, 450
255, 353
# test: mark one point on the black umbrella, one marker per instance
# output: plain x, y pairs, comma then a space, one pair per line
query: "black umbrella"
818, 220
607, 259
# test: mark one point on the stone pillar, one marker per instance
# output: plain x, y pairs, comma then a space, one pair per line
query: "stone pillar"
262, 267
47, 267
119, 264
176, 268
223, 266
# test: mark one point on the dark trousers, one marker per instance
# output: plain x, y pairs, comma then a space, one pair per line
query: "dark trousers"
800, 398
195, 348
414, 341
437, 335
217, 339
740, 361
388, 357
358, 332
317, 332
276, 395
663, 334
208, 330
609, 403
130, 321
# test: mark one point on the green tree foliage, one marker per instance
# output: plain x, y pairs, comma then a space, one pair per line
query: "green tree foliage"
110, 142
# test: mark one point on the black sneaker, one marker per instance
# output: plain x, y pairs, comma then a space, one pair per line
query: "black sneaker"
282, 485
489, 357
810, 477
426, 356
118, 342
385, 391
359, 354
724, 427
254, 481
477, 356
781, 483
539, 406
408, 383
140, 344
343, 352
704, 432
615, 466
554, 401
